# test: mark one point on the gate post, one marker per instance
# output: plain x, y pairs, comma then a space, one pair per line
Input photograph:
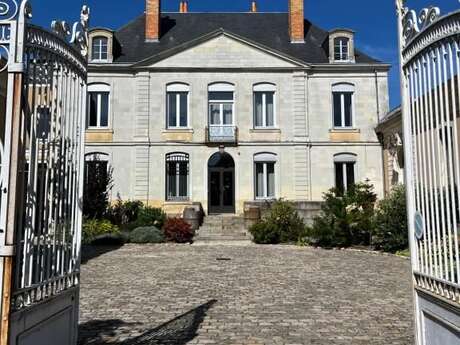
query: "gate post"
12, 24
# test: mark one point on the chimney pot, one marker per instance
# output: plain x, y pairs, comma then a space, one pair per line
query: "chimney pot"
296, 21
254, 7
152, 20
185, 7
181, 7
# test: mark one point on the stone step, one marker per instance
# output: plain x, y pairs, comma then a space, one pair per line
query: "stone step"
223, 229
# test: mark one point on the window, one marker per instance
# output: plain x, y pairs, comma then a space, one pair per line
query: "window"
177, 172
221, 104
344, 171
264, 105
341, 46
99, 49
96, 168
177, 105
342, 97
98, 106
264, 166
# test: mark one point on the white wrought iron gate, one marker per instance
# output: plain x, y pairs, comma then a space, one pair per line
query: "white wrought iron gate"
430, 79
42, 122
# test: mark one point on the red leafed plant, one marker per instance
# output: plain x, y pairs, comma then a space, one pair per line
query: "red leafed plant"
178, 230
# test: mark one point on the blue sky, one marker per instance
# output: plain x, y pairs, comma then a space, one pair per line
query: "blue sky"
373, 20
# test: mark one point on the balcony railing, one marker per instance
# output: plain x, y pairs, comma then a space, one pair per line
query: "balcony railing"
219, 134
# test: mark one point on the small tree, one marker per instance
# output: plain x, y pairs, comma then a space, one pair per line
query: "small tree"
391, 232
346, 219
98, 184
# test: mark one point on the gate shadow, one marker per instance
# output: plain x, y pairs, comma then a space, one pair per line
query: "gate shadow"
177, 331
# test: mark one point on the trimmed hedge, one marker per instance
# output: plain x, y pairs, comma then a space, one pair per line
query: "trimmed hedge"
149, 234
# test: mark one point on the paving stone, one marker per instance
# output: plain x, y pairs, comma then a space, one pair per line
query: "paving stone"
265, 295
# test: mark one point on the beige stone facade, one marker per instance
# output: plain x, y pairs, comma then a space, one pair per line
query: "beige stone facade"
303, 140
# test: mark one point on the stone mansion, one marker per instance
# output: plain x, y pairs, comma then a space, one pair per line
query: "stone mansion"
225, 109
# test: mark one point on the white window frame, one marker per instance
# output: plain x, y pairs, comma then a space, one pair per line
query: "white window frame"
100, 59
221, 87
341, 46
178, 88
344, 159
99, 88
342, 89
265, 159
265, 88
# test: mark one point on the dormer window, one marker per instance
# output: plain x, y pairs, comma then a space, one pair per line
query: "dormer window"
101, 43
100, 49
341, 48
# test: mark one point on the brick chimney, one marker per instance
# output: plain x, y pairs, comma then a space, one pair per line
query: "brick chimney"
254, 7
296, 21
152, 20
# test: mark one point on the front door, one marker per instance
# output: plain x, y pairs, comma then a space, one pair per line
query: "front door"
221, 188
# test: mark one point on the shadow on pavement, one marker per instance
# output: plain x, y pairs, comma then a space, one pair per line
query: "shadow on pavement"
178, 331
89, 252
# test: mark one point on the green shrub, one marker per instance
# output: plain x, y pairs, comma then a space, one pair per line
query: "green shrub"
151, 216
390, 233
178, 230
124, 212
94, 228
282, 225
148, 234
264, 232
346, 218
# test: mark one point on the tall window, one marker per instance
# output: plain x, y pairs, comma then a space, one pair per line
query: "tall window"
342, 95
344, 171
177, 172
264, 105
177, 105
221, 104
98, 106
341, 48
99, 49
264, 166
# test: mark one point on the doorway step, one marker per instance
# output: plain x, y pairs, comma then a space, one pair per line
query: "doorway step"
223, 229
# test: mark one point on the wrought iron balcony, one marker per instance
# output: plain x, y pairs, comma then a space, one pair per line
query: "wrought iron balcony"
221, 134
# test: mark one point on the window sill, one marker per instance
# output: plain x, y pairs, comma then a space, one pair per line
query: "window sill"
265, 130
99, 130
344, 130
178, 130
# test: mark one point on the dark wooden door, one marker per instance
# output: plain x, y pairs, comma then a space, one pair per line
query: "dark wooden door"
221, 190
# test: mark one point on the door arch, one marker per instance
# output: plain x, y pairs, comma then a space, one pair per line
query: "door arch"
221, 183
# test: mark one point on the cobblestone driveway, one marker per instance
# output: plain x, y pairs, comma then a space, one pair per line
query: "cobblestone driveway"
166, 294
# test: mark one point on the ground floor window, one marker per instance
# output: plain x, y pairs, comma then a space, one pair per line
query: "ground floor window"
177, 176
265, 175
344, 171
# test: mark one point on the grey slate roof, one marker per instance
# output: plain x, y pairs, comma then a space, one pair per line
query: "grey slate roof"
267, 29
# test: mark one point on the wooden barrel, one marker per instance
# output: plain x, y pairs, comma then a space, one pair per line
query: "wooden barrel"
192, 216
251, 215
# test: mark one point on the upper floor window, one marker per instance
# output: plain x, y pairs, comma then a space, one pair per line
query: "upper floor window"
264, 166
177, 176
221, 97
99, 49
343, 97
264, 105
98, 106
345, 164
177, 105
341, 48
